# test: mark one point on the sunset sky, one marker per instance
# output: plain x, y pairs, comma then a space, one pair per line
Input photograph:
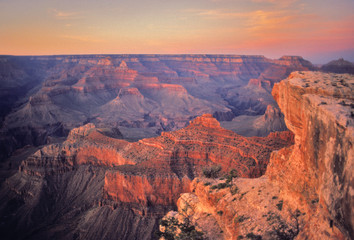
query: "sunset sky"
319, 30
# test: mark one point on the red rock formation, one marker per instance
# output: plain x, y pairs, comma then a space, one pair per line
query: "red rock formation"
318, 109
175, 88
159, 168
307, 189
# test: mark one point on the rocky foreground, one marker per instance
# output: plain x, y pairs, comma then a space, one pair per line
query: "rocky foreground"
307, 191
94, 186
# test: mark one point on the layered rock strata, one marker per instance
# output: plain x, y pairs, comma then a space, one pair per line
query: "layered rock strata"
318, 108
142, 95
93, 176
307, 191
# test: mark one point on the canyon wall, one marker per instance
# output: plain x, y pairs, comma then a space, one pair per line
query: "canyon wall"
307, 191
318, 108
142, 95
95, 186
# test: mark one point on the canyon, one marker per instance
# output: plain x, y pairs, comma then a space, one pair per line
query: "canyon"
68, 190
141, 95
307, 190
105, 146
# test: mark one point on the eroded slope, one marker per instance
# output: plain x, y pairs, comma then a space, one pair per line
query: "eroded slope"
68, 190
307, 191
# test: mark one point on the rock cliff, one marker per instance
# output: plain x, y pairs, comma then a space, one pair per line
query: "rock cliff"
318, 108
307, 191
69, 189
142, 95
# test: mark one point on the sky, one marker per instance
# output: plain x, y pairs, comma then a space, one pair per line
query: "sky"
318, 30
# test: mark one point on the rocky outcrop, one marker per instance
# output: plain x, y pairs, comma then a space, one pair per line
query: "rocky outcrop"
241, 209
307, 191
179, 156
93, 176
318, 108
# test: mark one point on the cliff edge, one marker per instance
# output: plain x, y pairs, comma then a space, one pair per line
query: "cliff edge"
307, 190
318, 108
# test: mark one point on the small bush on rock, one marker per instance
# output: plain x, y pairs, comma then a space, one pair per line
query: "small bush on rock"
212, 171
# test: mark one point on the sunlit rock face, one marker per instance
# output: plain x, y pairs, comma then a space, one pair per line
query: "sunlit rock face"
166, 165
307, 190
318, 108
142, 95
92, 176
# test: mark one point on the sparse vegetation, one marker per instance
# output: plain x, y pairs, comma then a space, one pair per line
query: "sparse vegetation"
207, 184
289, 232
232, 174
253, 236
233, 190
242, 194
241, 218
222, 185
220, 212
280, 205
343, 83
212, 171
174, 229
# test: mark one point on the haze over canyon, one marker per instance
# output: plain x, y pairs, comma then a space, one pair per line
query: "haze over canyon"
115, 146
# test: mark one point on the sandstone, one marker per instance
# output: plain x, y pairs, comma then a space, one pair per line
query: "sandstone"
144, 178
206, 120
317, 108
75, 90
246, 208
307, 189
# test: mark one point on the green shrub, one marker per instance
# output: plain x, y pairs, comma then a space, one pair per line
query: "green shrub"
187, 231
234, 173
212, 171
222, 185
280, 205
233, 190
241, 218
220, 212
